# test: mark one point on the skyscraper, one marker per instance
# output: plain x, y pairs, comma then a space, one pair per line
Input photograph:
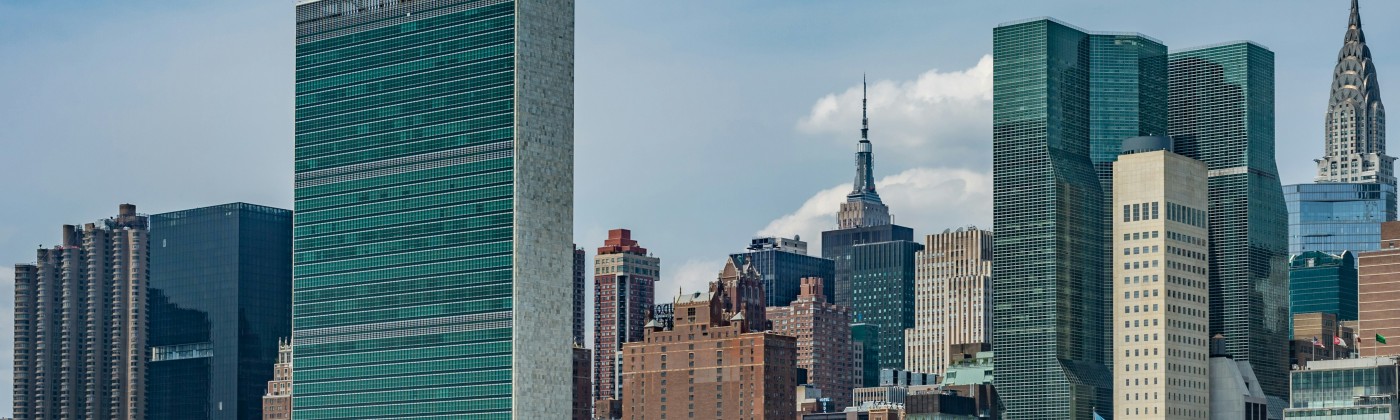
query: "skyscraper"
220, 299
1048, 284
952, 288
277, 402
783, 263
882, 289
80, 323
624, 289
434, 208
823, 332
1161, 346
1355, 119
1222, 114
862, 219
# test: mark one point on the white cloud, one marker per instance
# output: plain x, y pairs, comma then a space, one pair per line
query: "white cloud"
939, 119
692, 275
925, 199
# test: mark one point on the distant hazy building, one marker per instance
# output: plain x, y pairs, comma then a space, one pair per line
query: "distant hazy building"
1222, 114
824, 347
1160, 291
624, 289
710, 365
1364, 388
882, 290
1378, 285
434, 208
783, 263
220, 299
81, 323
277, 400
1334, 217
1355, 119
580, 282
952, 285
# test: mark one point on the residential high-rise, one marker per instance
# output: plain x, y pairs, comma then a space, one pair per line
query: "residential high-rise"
1322, 282
434, 208
862, 219
1161, 345
1334, 217
1048, 282
220, 299
580, 292
1378, 285
277, 401
783, 263
1222, 114
1355, 118
709, 365
882, 289
823, 335
624, 290
952, 285
80, 323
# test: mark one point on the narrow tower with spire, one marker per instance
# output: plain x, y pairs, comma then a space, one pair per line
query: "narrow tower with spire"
1355, 120
863, 207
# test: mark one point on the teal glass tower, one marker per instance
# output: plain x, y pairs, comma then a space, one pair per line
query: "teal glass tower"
432, 232
1048, 324
1322, 282
1221, 108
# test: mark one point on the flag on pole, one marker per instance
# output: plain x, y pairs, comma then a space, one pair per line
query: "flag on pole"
1096, 415
1316, 343
1339, 341
1380, 339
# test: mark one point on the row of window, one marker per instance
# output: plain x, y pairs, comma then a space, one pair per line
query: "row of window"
1141, 211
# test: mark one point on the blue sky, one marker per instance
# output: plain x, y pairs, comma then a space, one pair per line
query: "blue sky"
699, 124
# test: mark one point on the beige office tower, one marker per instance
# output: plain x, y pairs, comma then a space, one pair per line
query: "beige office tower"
952, 298
1160, 283
80, 323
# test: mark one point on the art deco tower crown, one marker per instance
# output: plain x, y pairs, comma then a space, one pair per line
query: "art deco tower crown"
1355, 130
863, 206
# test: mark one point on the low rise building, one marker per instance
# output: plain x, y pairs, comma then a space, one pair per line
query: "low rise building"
1353, 389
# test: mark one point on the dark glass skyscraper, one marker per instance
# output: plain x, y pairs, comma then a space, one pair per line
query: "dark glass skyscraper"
1333, 217
220, 298
434, 209
882, 284
1048, 287
783, 269
1322, 282
1222, 114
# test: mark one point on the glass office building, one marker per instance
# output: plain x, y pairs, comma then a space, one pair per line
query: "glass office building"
882, 288
220, 298
1346, 389
837, 246
783, 270
433, 227
1221, 109
1333, 217
1048, 325
1322, 282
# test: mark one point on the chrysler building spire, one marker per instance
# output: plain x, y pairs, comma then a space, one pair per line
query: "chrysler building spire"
1355, 120
863, 206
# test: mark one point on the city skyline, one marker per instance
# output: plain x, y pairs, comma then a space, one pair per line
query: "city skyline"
824, 126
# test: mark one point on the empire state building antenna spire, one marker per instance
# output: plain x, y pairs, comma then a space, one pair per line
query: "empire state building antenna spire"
863, 206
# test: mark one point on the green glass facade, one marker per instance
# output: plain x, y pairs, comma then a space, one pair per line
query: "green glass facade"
1048, 324
867, 338
1322, 282
1221, 109
433, 209
882, 289
1127, 98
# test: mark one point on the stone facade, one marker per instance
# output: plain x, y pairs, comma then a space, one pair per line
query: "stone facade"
952, 292
277, 402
